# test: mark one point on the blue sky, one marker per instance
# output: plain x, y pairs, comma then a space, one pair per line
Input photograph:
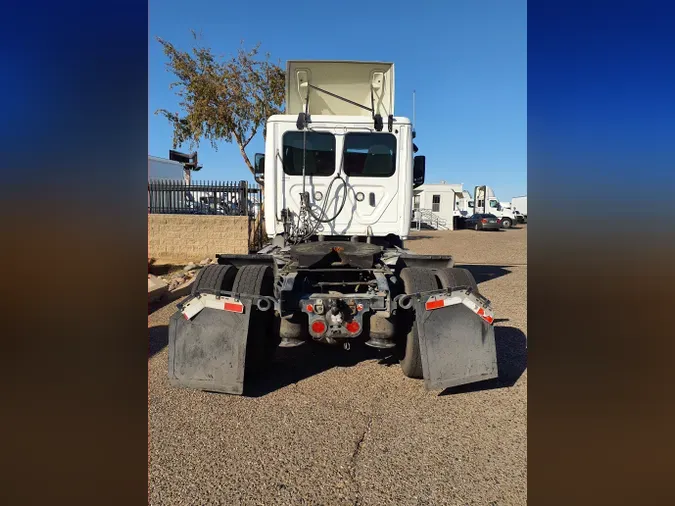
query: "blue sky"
466, 59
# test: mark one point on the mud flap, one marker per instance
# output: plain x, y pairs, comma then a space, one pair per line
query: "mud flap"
457, 347
208, 352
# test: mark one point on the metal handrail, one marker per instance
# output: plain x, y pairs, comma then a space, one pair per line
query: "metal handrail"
427, 216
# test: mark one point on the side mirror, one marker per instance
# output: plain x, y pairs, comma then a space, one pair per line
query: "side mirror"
259, 165
419, 166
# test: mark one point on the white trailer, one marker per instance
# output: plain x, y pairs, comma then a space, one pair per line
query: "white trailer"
436, 205
520, 205
464, 205
164, 169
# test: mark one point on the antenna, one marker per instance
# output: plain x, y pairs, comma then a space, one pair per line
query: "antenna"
413, 110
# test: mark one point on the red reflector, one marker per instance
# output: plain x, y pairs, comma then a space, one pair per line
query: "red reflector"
318, 327
434, 304
488, 319
480, 311
186, 316
234, 307
353, 326
310, 308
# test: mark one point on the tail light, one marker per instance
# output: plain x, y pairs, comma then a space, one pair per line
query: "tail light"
318, 327
483, 220
353, 327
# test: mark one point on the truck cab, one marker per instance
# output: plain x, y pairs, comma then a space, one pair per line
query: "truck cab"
485, 201
339, 152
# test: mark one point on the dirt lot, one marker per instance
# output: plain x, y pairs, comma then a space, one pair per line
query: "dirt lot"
332, 427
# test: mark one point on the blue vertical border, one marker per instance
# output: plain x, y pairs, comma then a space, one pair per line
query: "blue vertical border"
74, 158
601, 165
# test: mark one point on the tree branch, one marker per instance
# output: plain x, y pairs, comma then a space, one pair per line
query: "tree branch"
243, 153
253, 132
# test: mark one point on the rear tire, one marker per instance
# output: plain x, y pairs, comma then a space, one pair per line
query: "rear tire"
415, 279
454, 277
263, 328
476, 227
214, 277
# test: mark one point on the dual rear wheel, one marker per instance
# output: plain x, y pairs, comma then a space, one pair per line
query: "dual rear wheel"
418, 279
263, 329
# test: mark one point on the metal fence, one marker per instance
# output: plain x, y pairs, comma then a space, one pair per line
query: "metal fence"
210, 197
204, 197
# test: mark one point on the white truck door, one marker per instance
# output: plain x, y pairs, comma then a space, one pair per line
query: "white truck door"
493, 208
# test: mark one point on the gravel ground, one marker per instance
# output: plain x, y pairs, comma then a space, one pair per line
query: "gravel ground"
332, 427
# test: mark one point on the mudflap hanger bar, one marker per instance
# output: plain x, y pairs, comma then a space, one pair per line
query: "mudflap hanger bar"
437, 299
225, 301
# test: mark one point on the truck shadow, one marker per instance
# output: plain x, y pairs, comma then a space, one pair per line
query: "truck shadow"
511, 362
158, 339
418, 237
292, 365
482, 273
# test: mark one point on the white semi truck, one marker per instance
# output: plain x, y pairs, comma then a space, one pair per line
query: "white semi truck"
338, 172
485, 201
520, 204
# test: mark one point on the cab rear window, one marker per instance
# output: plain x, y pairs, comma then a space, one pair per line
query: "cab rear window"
370, 154
319, 157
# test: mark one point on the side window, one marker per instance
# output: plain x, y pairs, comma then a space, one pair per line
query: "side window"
319, 156
370, 154
436, 203
493, 204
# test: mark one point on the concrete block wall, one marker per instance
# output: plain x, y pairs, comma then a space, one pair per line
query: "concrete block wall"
180, 238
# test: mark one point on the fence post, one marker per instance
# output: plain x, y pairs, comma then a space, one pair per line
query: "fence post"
215, 202
244, 191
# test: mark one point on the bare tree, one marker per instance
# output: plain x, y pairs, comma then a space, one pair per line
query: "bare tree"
222, 99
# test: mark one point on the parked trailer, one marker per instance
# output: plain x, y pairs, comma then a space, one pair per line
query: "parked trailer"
336, 271
161, 169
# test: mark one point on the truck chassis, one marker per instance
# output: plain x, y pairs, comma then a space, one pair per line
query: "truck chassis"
337, 292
